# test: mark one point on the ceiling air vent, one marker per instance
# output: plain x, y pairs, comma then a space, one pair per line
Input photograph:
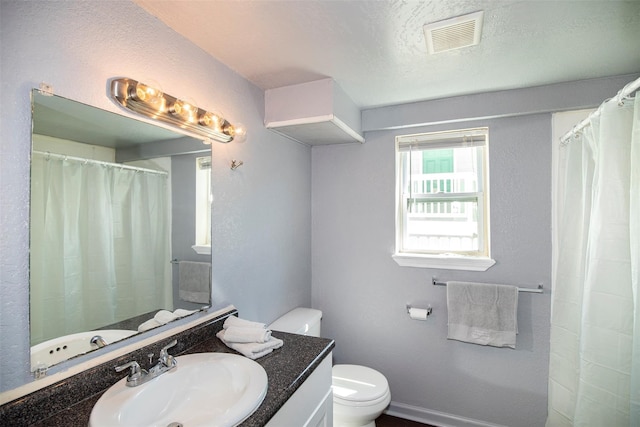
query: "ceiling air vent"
453, 33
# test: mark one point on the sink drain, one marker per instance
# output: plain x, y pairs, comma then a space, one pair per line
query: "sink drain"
175, 425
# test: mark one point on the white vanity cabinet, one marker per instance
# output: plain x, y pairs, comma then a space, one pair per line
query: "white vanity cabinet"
312, 404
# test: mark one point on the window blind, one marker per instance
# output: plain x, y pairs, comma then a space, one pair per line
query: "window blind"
204, 162
476, 137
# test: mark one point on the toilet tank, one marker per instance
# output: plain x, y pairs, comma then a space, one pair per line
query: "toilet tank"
301, 321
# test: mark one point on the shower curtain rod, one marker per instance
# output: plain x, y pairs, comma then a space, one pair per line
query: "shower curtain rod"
98, 162
623, 93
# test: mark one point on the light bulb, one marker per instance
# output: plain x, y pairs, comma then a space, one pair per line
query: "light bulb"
212, 120
237, 132
148, 94
186, 110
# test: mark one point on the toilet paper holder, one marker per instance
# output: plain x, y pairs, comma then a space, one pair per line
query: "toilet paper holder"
428, 310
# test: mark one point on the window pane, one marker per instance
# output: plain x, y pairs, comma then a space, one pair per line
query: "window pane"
446, 226
437, 161
442, 199
203, 201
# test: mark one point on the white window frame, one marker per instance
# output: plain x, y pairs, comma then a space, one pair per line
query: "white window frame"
203, 206
475, 261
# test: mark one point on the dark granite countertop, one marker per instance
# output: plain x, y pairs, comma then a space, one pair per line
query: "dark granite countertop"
69, 404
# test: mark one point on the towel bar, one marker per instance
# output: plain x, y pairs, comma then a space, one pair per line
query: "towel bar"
537, 290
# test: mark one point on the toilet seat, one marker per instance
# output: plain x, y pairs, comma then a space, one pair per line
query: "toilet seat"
355, 385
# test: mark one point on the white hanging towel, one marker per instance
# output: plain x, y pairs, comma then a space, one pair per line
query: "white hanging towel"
482, 313
195, 281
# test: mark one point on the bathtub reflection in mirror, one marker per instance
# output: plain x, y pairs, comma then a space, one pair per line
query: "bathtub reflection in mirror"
101, 227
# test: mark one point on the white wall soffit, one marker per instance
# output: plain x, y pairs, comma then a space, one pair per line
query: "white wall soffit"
313, 113
573, 95
320, 130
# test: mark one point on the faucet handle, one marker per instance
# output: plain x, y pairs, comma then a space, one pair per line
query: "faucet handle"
168, 346
135, 373
165, 358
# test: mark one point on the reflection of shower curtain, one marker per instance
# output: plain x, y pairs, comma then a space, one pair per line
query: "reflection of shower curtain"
594, 371
99, 245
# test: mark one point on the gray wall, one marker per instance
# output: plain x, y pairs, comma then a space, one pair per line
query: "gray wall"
363, 292
261, 212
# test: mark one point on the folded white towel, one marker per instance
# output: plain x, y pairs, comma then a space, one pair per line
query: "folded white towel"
242, 323
252, 350
149, 324
482, 313
239, 334
165, 316
181, 312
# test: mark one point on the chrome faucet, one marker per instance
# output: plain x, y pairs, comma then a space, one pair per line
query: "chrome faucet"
98, 341
138, 376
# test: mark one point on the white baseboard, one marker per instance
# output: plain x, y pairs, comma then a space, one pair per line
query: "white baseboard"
435, 418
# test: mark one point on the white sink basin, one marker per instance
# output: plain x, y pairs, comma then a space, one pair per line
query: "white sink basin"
205, 389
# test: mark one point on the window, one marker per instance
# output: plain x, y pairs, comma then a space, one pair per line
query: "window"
203, 205
442, 218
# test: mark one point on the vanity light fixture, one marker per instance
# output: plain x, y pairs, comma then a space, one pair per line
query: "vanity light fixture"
150, 101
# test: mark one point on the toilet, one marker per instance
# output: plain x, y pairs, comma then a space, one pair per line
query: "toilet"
360, 394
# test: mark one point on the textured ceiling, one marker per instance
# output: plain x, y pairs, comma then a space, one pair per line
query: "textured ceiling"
375, 49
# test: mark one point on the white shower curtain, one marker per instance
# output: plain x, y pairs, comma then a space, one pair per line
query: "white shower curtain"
594, 371
99, 245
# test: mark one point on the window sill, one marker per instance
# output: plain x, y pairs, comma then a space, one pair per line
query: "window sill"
201, 249
445, 262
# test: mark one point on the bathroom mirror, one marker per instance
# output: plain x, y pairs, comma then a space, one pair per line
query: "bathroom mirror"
103, 263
